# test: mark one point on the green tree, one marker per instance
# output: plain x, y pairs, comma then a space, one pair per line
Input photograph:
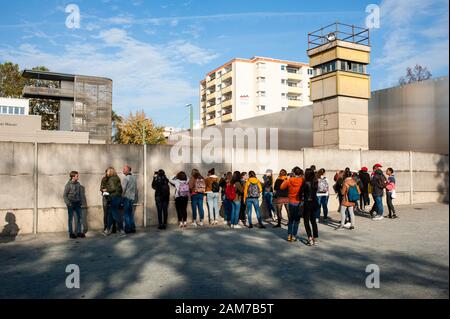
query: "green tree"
11, 81
130, 130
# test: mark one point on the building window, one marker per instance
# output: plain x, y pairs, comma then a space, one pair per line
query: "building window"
261, 107
261, 93
261, 79
22, 111
284, 108
283, 81
261, 66
4, 109
283, 68
11, 110
283, 96
310, 72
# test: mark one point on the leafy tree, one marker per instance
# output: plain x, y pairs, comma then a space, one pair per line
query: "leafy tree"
130, 130
11, 81
416, 74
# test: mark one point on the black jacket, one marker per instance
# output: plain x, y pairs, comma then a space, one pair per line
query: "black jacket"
278, 192
365, 180
378, 183
161, 186
308, 192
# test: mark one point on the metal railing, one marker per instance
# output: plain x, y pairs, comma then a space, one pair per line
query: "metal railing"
338, 31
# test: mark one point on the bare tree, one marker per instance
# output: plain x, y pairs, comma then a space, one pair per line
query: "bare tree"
416, 74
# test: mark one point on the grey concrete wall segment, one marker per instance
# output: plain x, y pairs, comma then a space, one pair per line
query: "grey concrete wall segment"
65, 115
32, 183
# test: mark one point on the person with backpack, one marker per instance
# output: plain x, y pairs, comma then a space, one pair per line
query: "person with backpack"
226, 204
268, 193
337, 187
252, 192
106, 203
181, 185
212, 190
390, 192
293, 185
378, 183
234, 193
197, 187
114, 189
243, 208
129, 197
73, 199
323, 194
308, 194
162, 196
365, 180
358, 181
350, 196
281, 197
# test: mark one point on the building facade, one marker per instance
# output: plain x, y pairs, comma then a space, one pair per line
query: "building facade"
9, 106
245, 88
85, 101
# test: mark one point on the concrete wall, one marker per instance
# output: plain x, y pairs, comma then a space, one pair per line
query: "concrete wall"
27, 169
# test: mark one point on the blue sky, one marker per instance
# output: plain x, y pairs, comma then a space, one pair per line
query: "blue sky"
157, 51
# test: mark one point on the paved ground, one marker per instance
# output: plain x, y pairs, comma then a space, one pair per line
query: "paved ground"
412, 253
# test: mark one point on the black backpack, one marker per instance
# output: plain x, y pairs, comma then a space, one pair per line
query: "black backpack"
215, 187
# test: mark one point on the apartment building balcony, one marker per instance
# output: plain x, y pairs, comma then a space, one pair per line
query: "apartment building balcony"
227, 103
211, 122
294, 76
47, 93
227, 75
211, 109
211, 96
294, 103
227, 117
227, 89
294, 89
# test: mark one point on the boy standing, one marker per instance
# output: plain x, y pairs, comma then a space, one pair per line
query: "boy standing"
72, 198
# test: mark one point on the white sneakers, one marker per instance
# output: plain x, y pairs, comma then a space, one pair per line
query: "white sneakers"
378, 218
194, 224
237, 226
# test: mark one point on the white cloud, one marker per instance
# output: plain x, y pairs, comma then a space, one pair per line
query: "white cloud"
415, 32
146, 76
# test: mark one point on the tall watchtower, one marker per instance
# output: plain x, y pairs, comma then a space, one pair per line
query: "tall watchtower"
340, 87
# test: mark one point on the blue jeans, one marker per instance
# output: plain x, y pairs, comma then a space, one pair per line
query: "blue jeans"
235, 208
114, 215
255, 202
197, 202
128, 215
227, 208
379, 205
74, 207
294, 219
323, 202
212, 199
268, 198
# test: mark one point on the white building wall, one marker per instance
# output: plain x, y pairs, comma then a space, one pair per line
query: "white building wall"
10, 102
244, 103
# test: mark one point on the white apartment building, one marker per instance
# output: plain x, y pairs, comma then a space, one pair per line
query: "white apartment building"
9, 106
245, 88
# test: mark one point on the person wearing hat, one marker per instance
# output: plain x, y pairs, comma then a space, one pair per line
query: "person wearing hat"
378, 183
365, 181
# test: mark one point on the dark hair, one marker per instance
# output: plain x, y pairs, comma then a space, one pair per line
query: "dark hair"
212, 171
297, 171
321, 172
197, 175
181, 176
310, 176
390, 169
236, 177
161, 173
228, 175
129, 167
313, 167
194, 171
73, 174
251, 174
283, 172
243, 174
347, 173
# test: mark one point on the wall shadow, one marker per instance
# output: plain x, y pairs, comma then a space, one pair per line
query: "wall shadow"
10, 230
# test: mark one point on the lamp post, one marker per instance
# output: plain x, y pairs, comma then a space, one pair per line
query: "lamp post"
191, 117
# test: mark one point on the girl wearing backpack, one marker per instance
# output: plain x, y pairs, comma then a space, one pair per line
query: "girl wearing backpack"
323, 194
252, 192
197, 188
212, 190
234, 193
181, 197
162, 195
350, 196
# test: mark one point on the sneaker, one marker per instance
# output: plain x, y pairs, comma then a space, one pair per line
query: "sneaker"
309, 242
293, 238
261, 226
72, 236
181, 225
317, 220
277, 226
352, 227
231, 226
122, 233
194, 224
201, 223
106, 232
250, 226
378, 218
394, 217
339, 227
160, 227
289, 238
315, 241
81, 235
237, 226
347, 225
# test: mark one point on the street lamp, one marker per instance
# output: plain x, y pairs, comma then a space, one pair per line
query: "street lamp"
191, 116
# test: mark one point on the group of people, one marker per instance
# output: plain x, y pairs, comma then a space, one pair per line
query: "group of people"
303, 194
